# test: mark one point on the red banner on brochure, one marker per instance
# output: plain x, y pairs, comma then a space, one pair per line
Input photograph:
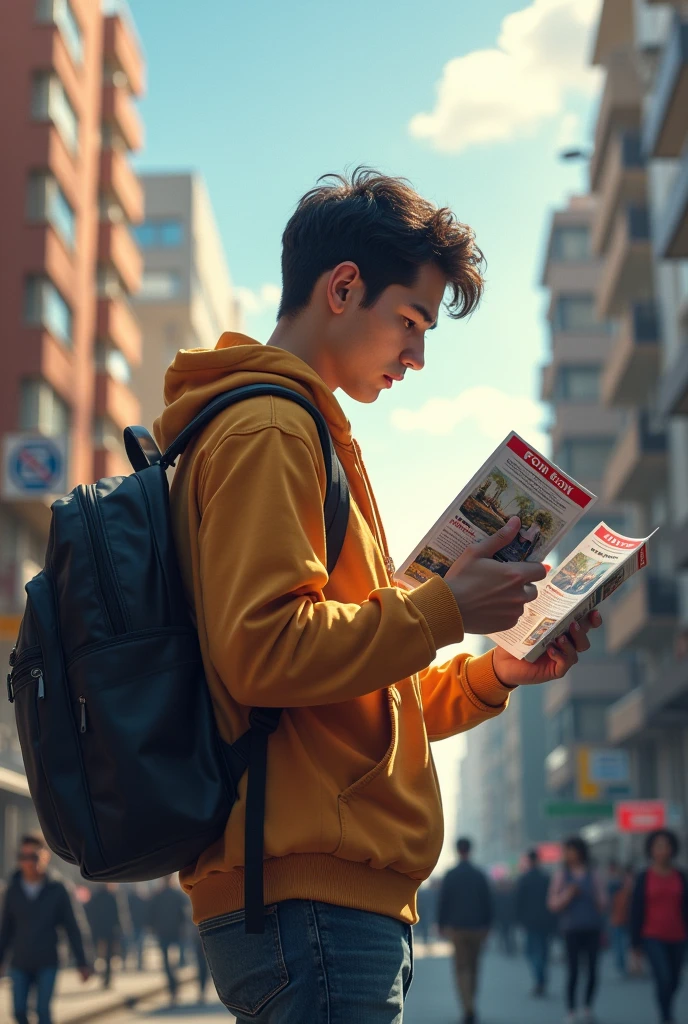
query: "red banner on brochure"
557, 479
614, 540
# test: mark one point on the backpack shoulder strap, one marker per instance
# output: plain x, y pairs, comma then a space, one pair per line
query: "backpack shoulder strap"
337, 501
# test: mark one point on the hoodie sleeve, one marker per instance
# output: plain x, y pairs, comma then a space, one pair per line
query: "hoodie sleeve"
460, 695
273, 638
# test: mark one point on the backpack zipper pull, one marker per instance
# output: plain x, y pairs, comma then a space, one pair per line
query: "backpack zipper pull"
10, 688
82, 701
37, 673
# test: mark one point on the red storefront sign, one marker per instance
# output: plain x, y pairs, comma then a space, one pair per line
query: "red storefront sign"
641, 815
550, 853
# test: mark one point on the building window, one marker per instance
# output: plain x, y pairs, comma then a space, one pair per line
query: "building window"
159, 234
158, 285
586, 457
61, 14
113, 362
578, 383
49, 102
47, 202
41, 409
45, 307
571, 243
576, 313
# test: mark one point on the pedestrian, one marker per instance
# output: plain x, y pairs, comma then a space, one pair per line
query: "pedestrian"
138, 902
167, 919
619, 892
353, 819
465, 915
536, 919
108, 918
659, 918
504, 900
36, 905
202, 964
577, 895
426, 907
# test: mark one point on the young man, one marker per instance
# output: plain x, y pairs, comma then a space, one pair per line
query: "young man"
536, 920
466, 914
353, 820
36, 905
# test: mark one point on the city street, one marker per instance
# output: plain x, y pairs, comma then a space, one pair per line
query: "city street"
504, 998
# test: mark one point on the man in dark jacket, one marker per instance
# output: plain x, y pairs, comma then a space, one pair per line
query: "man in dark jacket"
35, 906
535, 918
465, 916
168, 915
108, 916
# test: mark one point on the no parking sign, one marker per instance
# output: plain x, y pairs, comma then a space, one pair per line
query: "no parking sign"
34, 467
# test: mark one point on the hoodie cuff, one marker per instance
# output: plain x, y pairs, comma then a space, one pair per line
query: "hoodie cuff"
482, 681
436, 603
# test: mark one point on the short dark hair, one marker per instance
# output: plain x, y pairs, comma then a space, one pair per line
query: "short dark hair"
580, 846
464, 845
33, 839
667, 834
533, 856
389, 231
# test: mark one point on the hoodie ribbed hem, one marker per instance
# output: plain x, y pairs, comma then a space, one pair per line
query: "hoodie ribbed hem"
311, 876
482, 685
436, 603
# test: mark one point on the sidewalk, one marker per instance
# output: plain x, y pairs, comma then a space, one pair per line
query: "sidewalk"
76, 1002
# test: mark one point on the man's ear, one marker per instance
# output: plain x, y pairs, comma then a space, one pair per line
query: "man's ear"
343, 281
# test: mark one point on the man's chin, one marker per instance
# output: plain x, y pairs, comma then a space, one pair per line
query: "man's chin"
366, 394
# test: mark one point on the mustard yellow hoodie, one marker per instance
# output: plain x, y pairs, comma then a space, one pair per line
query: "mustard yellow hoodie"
353, 805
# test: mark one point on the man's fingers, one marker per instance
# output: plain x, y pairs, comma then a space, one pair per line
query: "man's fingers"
491, 545
578, 637
532, 572
530, 592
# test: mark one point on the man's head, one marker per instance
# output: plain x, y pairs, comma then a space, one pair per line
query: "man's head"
464, 847
533, 858
367, 262
33, 857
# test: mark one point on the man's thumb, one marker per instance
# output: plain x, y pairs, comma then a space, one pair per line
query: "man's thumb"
491, 545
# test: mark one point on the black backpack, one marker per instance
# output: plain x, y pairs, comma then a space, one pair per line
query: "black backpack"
126, 768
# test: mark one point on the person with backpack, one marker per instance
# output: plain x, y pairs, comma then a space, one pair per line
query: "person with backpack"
578, 896
36, 905
659, 918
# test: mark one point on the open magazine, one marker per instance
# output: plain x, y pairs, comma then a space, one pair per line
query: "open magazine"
516, 480
595, 569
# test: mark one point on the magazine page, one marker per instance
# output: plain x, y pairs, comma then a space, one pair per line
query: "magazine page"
587, 576
516, 480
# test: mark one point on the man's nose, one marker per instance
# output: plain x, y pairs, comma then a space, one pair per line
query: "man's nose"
414, 358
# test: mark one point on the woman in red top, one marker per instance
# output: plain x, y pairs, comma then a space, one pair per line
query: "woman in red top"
659, 917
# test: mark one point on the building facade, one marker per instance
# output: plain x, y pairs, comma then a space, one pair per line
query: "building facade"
186, 298
69, 264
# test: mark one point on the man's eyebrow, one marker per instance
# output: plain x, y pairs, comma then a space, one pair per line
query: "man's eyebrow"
424, 313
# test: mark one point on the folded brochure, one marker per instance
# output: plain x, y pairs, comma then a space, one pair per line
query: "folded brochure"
519, 480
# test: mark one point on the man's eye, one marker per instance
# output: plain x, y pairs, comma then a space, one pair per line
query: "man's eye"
408, 322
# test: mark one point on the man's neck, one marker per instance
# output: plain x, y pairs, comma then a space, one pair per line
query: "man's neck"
302, 336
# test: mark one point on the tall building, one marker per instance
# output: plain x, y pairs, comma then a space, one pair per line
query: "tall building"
68, 265
186, 298
584, 432
639, 172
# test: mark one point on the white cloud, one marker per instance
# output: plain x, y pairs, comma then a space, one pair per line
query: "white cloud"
485, 409
570, 131
265, 298
510, 90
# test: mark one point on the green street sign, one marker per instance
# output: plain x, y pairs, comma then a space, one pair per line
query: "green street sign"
578, 809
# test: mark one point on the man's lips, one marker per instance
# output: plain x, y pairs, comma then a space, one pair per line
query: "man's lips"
390, 378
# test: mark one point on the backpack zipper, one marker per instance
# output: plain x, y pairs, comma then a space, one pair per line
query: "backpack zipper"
82, 702
104, 571
36, 673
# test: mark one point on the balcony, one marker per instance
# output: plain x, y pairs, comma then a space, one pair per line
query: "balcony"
637, 465
671, 234
627, 717
614, 29
119, 111
117, 178
592, 678
633, 365
117, 323
117, 248
116, 401
619, 110
666, 124
644, 616
623, 182
627, 271
121, 50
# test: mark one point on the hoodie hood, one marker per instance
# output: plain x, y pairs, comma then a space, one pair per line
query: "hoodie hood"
197, 375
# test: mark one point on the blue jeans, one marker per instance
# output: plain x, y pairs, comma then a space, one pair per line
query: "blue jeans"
22, 983
620, 941
537, 953
315, 962
666, 961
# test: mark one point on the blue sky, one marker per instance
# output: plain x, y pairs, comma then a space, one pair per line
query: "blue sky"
472, 102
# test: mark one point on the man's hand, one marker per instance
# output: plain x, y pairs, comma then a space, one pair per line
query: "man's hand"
559, 657
85, 973
491, 594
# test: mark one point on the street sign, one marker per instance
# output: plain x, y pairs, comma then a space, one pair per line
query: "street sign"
34, 467
550, 853
609, 767
578, 809
641, 815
